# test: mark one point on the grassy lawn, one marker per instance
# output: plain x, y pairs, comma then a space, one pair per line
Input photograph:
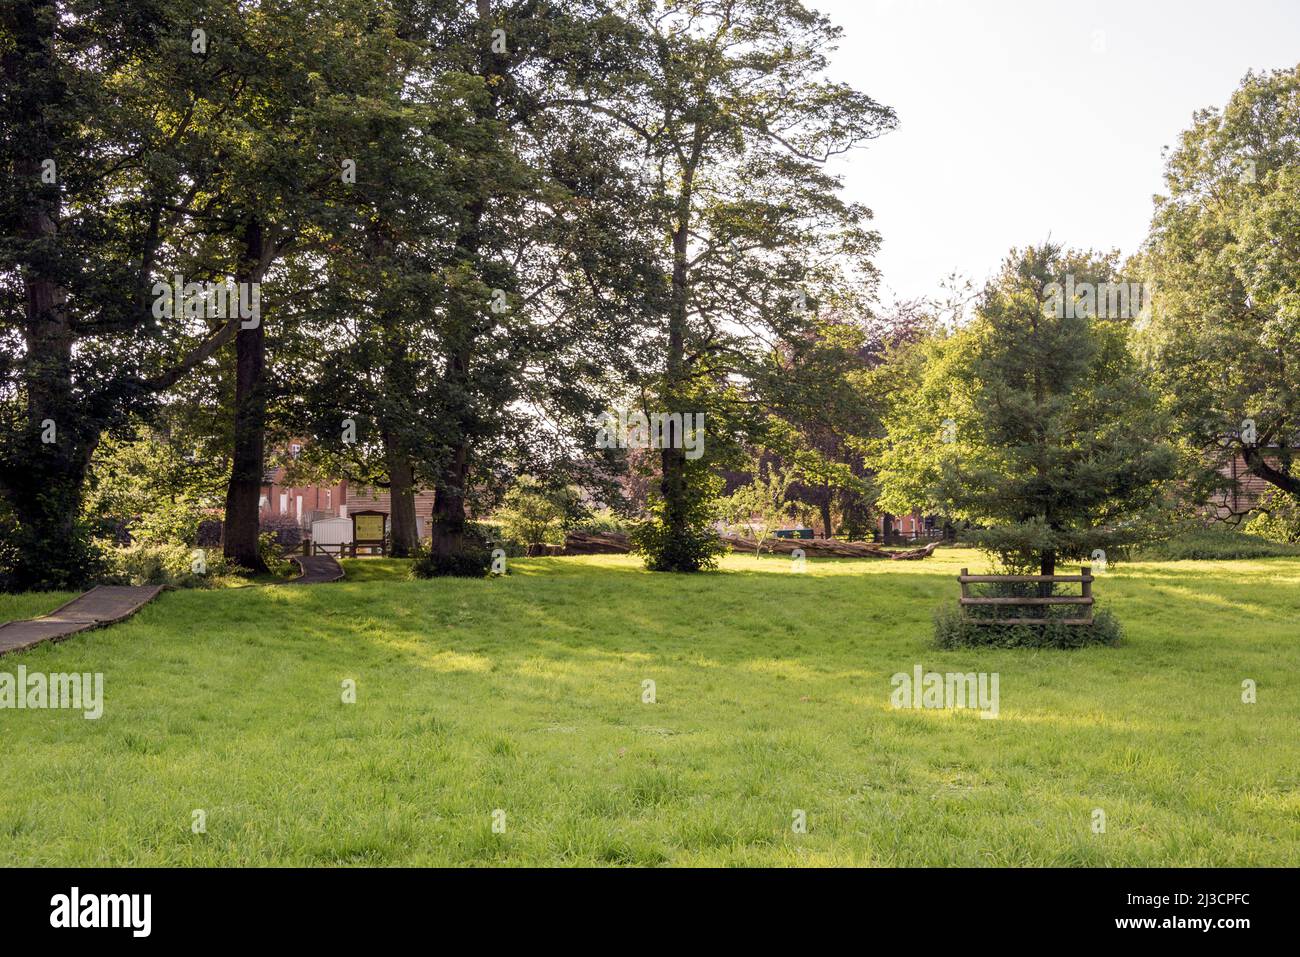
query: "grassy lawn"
773, 694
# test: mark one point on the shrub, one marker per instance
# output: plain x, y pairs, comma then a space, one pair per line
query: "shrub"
603, 522
533, 515
145, 563
697, 546
1213, 544
286, 531
474, 561
272, 555
696, 549
29, 562
1278, 519
954, 630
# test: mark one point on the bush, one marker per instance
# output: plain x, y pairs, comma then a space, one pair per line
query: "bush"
272, 555
153, 564
532, 514
954, 630
602, 522
286, 531
29, 562
1278, 519
697, 547
474, 561
1213, 544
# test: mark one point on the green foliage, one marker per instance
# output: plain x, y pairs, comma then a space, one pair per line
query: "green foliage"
152, 488
953, 630
272, 554
1222, 257
1213, 544
1278, 518
473, 561
601, 521
688, 545
32, 561
1036, 426
734, 117
763, 503
534, 515
154, 563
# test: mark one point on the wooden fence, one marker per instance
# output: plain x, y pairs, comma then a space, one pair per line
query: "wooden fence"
1083, 600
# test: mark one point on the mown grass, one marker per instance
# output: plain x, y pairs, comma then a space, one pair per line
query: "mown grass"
772, 695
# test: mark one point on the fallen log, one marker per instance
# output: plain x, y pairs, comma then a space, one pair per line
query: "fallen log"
614, 543
603, 543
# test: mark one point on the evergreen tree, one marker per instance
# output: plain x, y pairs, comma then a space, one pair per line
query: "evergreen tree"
1035, 421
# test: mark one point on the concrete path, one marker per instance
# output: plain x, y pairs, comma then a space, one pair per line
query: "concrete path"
316, 570
102, 605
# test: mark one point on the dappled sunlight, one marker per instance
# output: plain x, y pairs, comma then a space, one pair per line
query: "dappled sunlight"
1252, 608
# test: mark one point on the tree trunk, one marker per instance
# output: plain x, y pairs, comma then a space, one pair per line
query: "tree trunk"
249, 450
401, 497
448, 527
827, 531
1047, 567
1258, 466
44, 477
673, 484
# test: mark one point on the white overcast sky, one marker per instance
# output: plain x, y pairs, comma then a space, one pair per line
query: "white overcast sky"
1020, 119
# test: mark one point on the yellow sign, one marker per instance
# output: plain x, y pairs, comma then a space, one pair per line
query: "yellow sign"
368, 528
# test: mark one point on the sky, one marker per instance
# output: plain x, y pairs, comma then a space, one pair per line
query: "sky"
1024, 119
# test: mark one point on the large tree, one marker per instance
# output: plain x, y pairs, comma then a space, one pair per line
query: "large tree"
1034, 422
735, 121
103, 112
1224, 259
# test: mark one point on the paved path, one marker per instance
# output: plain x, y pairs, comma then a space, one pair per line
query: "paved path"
316, 570
102, 605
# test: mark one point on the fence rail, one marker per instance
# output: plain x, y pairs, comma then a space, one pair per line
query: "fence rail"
1084, 599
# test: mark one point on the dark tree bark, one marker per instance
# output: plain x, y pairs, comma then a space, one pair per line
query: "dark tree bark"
673, 482
448, 527
249, 448
1047, 566
43, 480
1258, 466
401, 497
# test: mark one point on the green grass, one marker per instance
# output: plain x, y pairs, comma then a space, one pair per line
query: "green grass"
773, 694
32, 604
1214, 544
